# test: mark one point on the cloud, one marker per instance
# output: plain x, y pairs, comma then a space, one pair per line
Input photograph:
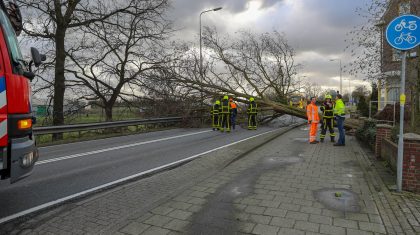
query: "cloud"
316, 29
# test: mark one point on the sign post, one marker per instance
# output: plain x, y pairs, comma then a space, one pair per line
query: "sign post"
403, 33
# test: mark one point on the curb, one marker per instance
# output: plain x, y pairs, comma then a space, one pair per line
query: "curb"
266, 141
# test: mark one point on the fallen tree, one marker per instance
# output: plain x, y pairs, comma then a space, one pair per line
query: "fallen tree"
260, 66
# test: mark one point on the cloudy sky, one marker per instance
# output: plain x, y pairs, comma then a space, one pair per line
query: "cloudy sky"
315, 28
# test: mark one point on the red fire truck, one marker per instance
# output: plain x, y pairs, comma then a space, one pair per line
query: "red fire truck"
18, 153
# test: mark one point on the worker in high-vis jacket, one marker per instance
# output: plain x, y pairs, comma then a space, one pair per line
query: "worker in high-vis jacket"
225, 113
300, 103
252, 114
313, 120
339, 114
234, 112
327, 109
215, 115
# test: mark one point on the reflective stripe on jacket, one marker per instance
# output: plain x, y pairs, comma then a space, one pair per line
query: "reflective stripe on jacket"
328, 111
215, 110
312, 113
225, 107
252, 108
339, 108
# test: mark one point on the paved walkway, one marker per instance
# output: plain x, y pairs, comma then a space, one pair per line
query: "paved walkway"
284, 187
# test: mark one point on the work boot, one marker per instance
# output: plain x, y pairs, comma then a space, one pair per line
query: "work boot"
314, 142
322, 140
332, 139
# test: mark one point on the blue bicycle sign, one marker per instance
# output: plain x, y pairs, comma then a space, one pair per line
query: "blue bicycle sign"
403, 32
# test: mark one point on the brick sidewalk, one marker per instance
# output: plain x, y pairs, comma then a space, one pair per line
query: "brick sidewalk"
272, 190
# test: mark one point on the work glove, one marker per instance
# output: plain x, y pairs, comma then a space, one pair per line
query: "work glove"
309, 122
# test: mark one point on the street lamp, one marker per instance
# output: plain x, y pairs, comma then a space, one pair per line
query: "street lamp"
201, 51
341, 79
350, 95
380, 25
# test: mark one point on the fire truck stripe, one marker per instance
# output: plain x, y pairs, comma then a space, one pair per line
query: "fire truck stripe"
2, 84
2, 99
3, 128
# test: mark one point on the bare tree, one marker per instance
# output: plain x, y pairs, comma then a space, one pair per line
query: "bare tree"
116, 54
52, 21
364, 42
313, 90
254, 64
244, 66
370, 52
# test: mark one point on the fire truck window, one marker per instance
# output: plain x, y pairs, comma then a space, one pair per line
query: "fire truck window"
12, 43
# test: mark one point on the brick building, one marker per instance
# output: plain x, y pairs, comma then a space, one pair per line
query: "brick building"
391, 59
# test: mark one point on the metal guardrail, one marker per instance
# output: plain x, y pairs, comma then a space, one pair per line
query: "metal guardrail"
101, 125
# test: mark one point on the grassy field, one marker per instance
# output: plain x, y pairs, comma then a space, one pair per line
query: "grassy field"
90, 116
46, 140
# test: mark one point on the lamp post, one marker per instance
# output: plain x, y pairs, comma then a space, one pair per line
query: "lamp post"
341, 79
380, 25
201, 50
350, 102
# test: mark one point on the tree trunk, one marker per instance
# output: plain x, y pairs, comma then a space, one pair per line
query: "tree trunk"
59, 81
108, 113
301, 113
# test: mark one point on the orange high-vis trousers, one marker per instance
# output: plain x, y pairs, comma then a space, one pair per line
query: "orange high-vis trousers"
312, 131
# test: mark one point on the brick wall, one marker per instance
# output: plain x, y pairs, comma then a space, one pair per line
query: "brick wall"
411, 163
383, 131
389, 152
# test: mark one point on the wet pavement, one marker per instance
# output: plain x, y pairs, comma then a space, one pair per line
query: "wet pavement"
218, 215
286, 186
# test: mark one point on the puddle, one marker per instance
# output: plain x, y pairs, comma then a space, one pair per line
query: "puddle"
351, 163
282, 160
303, 140
218, 215
347, 201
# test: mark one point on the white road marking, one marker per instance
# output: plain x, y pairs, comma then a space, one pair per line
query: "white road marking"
61, 200
116, 148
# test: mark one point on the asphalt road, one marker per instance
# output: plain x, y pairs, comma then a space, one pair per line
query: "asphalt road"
68, 169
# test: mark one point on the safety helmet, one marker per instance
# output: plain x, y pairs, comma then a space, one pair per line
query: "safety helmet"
328, 96
251, 99
225, 97
217, 101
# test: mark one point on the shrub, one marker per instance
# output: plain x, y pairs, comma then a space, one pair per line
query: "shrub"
363, 107
367, 134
